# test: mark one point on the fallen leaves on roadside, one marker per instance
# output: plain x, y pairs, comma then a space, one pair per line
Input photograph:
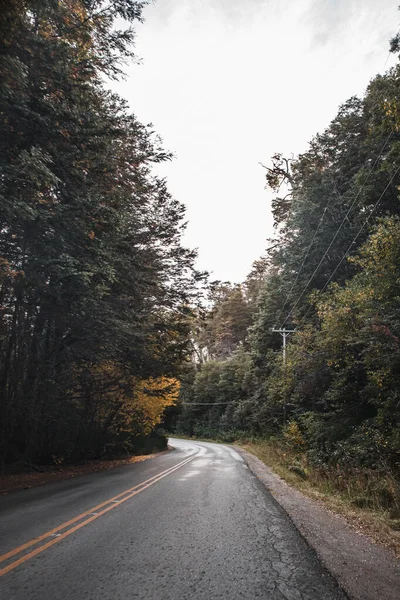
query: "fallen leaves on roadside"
22, 481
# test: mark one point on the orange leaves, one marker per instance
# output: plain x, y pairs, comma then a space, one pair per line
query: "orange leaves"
152, 396
6, 273
127, 404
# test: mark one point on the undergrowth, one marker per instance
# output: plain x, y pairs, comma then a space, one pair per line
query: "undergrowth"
368, 498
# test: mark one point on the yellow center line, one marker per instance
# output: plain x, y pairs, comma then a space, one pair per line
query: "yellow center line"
131, 492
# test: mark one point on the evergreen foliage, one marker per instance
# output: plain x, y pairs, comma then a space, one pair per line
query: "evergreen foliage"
333, 273
98, 298
94, 282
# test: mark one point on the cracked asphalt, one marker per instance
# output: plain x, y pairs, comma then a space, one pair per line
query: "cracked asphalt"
207, 529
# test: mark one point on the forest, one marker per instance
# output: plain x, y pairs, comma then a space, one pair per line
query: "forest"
330, 277
108, 330
95, 285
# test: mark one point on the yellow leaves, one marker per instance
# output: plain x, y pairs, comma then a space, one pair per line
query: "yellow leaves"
91, 235
293, 436
391, 110
380, 378
134, 405
77, 7
152, 396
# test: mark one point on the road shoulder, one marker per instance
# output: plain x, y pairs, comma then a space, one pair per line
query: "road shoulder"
363, 569
17, 482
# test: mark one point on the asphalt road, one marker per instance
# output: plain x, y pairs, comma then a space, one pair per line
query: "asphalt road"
193, 523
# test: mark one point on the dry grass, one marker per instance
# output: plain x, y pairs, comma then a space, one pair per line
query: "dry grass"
368, 500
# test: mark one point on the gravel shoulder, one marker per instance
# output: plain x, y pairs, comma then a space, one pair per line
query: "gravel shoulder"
363, 569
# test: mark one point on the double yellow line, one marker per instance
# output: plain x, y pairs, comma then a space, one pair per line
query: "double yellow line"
92, 514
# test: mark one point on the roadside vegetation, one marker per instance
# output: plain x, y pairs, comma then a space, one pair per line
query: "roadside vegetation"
327, 417
102, 332
95, 285
362, 496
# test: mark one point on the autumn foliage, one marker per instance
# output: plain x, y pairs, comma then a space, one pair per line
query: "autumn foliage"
332, 277
95, 284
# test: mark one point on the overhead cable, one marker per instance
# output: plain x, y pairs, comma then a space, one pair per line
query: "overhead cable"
338, 229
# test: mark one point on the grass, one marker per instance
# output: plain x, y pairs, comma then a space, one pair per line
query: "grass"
367, 499
370, 501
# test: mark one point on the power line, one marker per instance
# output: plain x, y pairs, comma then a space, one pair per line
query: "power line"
361, 228
354, 239
390, 52
346, 216
204, 403
339, 228
284, 333
306, 254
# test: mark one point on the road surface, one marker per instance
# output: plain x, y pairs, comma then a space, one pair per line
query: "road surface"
193, 523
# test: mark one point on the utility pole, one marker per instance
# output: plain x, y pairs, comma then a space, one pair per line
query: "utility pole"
284, 332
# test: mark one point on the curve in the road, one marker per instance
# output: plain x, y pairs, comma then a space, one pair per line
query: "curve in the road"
192, 524
91, 513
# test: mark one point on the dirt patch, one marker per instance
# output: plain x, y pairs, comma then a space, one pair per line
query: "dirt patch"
363, 569
22, 481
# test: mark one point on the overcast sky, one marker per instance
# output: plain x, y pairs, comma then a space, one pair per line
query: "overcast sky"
227, 83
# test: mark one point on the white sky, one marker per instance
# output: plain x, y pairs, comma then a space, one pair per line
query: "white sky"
227, 83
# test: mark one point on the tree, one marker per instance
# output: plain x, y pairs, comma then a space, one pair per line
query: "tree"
331, 273
94, 272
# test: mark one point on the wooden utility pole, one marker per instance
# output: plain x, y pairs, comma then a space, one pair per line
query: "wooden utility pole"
284, 332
